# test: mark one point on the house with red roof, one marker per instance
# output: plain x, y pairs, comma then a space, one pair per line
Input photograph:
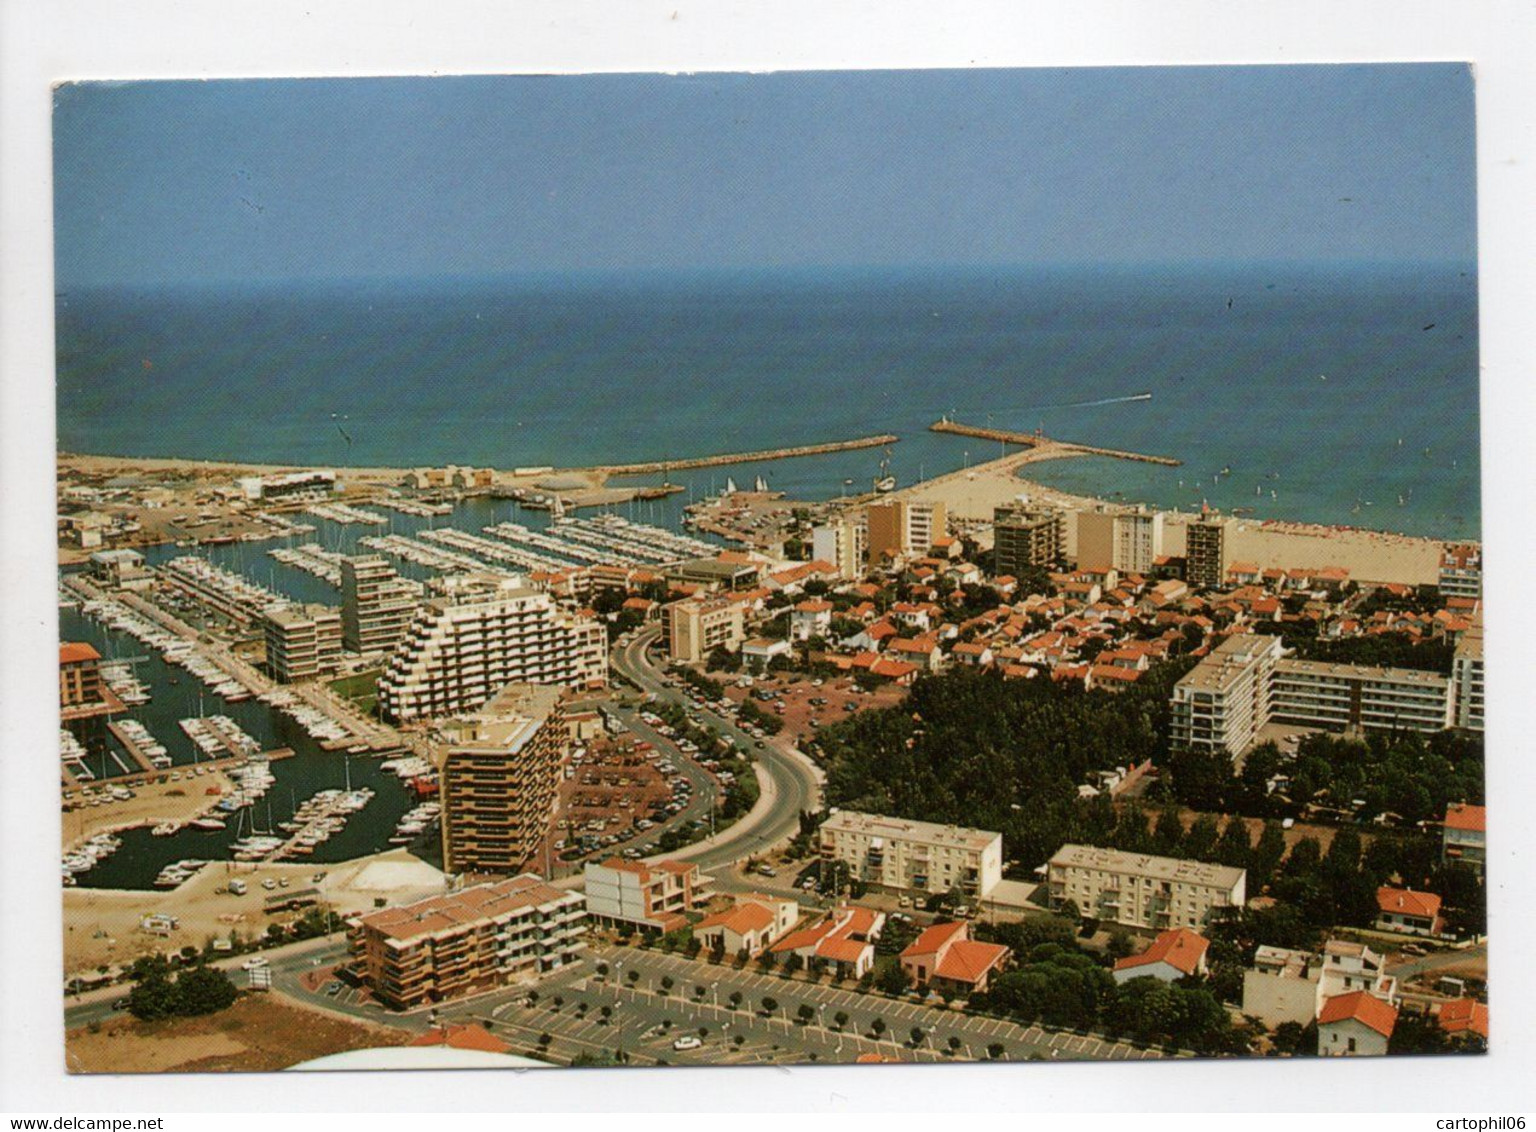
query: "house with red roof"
844, 940
945, 958
1174, 955
1404, 910
810, 618
1464, 1019
1355, 1025
1464, 837
750, 926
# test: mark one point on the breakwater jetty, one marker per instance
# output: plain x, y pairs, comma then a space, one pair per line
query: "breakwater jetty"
1036, 440
745, 457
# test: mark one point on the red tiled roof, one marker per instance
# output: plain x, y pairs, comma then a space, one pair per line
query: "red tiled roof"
1464, 1014
471, 1035
931, 939
1463, 815
1180, 948
1406, 902
1361, 1007
968, 960
741, 919
72, 652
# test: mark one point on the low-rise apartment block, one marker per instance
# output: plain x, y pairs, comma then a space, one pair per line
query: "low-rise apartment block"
913, 856
634, 894
466, 942
1142, 891
1356, 697
498, 771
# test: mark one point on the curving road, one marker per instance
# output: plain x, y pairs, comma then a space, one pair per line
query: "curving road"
788, 780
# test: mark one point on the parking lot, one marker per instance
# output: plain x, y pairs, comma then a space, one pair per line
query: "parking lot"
646, 1018
809, 704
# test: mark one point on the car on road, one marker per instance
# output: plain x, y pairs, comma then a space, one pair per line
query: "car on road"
255, 962
767, 870
269, 884
333, 988
687, 1042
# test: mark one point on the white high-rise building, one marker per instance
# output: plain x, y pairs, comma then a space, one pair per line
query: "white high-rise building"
376, 604
479, 632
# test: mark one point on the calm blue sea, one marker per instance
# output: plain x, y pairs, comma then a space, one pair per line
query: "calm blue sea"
1333, 395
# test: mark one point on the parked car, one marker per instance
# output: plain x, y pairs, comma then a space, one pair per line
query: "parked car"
255, 962
687, 1042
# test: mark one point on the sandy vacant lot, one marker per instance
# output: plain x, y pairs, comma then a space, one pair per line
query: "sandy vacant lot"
259, 1033
101, 926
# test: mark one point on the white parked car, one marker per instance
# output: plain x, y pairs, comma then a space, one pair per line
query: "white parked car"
255, 962
688, 1042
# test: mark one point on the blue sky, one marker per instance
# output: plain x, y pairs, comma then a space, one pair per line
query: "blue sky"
323, 179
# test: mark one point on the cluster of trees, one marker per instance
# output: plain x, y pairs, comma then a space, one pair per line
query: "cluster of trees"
1407, 774
1056, 983
158, 993
971, 748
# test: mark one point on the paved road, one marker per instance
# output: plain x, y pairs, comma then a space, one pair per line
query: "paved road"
789, 783
1438, 960
96, 1005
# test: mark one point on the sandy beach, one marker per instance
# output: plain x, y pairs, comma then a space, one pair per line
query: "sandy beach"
1369, 556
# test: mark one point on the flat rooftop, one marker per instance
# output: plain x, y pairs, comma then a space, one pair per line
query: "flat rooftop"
902, 829
1292, 665
1146, 865
1226, 662
508, 720
461, 909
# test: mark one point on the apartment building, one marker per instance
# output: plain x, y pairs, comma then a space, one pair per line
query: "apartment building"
1025, 536
695, 626
1206, 550
844, 542
899, 527
1127, 541
1138, 541
1223, 701
498, 771
913, 856
1467, 676
80, 681
466, 942
1461, 571
1354, 697
654, 897
1142, 891
303, 641
376, 604
480, 632
1464, 837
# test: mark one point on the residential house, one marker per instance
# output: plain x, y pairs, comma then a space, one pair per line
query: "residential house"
1355, 1025
844, 940
945, 959
1174, 955
1403, 910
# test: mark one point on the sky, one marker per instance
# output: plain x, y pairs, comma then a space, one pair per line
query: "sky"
277, 180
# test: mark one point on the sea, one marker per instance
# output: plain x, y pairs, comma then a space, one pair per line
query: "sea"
1339, 394
1310, 393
